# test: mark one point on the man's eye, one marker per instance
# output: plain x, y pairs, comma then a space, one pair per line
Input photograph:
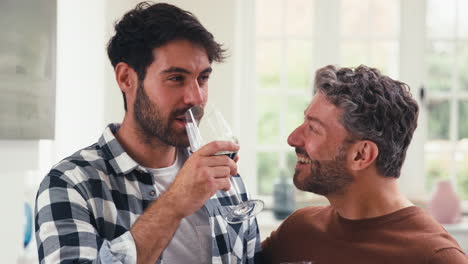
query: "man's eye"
177, 78
204, 77
311, 128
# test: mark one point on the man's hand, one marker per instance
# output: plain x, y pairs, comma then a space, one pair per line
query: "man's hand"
202, 175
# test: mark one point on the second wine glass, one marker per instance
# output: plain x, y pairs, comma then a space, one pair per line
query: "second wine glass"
208, 125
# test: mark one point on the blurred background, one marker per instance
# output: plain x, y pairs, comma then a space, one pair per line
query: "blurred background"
59, 93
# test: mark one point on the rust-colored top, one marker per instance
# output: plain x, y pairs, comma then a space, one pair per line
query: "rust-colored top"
320, 235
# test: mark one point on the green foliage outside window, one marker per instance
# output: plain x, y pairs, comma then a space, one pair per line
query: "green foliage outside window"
267, 171
268, 119
436, 170
463, 180
463, 119
439, 118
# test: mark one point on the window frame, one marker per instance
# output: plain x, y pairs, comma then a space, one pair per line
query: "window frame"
453, 96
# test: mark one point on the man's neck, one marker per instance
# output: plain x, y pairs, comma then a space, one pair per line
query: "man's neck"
370, 197
151, 155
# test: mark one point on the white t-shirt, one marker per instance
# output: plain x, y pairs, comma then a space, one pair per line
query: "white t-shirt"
192, 240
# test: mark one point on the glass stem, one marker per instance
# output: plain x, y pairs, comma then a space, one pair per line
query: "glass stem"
237, 194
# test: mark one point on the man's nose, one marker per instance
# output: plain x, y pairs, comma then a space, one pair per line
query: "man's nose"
194, 94
294, 138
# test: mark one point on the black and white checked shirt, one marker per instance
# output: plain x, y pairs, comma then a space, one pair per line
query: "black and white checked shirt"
87, 204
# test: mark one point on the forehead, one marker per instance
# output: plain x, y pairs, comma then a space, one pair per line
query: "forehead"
182, 54
320, 108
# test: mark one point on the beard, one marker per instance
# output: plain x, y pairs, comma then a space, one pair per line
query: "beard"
154, 125
324, 177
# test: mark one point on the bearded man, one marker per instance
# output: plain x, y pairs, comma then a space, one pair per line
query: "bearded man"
350, 149
137, 195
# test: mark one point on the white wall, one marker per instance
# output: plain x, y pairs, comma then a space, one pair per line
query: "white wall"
15, 158
412, 70
79, 114
80, 75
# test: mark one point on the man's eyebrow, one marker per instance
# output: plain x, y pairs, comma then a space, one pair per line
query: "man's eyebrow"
314, 119
175, 70
207, 70
182, 70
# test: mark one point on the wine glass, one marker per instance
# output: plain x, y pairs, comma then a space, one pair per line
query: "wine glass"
205, 125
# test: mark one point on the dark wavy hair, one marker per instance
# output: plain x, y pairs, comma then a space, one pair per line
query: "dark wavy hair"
375, 107
149, 26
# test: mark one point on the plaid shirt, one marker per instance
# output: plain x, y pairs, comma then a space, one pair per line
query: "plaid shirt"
87, 204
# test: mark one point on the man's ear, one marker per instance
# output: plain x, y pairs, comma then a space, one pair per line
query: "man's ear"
362, 154
127, 80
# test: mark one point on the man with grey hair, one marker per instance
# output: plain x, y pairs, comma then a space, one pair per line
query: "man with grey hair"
350, 149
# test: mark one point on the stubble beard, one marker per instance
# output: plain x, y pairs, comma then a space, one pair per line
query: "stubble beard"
325, 177
154, 128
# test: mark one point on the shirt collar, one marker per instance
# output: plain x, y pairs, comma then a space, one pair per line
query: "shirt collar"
120, 161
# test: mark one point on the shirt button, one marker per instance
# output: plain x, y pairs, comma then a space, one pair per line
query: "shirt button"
152, 193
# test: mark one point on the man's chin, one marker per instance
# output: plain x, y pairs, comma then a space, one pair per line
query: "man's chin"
169, 138
179, 140
182, 144
303, 182
299, 180
311, 188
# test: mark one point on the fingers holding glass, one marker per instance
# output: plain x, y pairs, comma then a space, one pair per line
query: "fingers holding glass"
210, 134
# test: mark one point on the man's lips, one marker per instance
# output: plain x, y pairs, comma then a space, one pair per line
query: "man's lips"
301, 151
302, 156
179, 121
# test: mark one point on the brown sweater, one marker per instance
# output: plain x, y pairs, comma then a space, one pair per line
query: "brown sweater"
319, 234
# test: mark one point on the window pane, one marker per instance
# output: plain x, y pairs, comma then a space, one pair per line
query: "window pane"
291, 161
354, 53
463, 120
463, 62
355, 18
440, 61
462, 172
295, 115
268, 64
439, 117
267, 119
462, 19
385, 18
385, 57
437, 164
299, 64
441, 18
268, 17
299, 17
267, 171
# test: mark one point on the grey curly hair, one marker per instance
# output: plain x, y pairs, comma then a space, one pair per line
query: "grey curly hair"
375, 107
